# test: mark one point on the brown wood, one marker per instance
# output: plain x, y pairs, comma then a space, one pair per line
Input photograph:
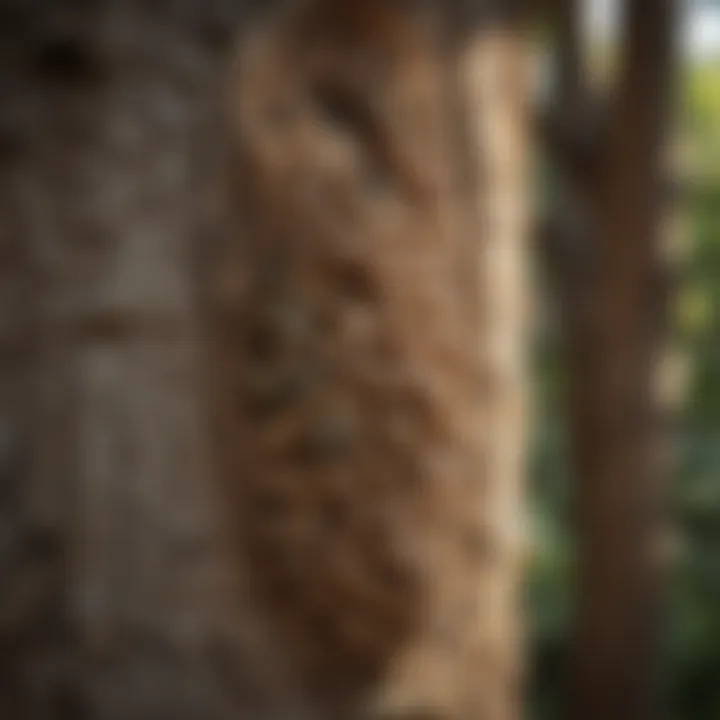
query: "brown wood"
367, 323
617, 437
368, 409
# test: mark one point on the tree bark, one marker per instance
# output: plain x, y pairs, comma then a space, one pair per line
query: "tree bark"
365, 317
366, 381
618, 444
106, 597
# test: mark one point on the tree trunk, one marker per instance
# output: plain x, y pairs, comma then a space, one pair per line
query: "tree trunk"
364, 311
364, 306
106, 596
617, 436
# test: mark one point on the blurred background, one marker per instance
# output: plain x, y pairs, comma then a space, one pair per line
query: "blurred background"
694, 647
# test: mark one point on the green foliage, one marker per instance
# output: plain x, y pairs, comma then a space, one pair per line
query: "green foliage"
695, 616
701, 109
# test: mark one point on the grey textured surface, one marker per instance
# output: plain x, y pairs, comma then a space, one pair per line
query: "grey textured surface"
105, 545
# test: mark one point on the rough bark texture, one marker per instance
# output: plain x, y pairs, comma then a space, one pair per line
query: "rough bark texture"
368, 398
373, 555
103, 594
